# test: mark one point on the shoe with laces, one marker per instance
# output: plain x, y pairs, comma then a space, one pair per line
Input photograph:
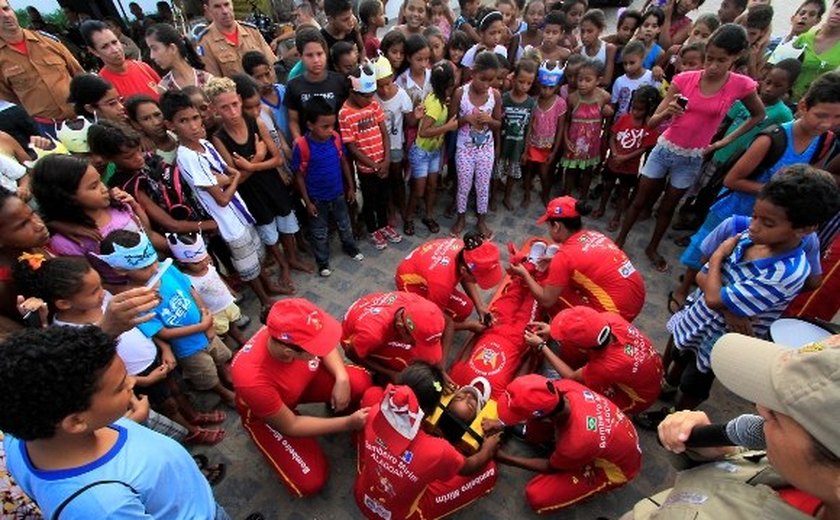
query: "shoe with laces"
358, 257
391, 235
325, 271
537, 251
377, 238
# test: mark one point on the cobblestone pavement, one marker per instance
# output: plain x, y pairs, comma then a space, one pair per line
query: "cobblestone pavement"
251, 486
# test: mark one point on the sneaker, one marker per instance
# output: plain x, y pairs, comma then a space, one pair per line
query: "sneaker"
650, 420
392, 235
242, 322
377, 238
550, 251
325, 271
537, 251
358, 257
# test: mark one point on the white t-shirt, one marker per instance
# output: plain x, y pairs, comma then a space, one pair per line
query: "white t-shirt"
197, 168
212, 289
394, 109
10, 172
469, 56
624, 87
136, 350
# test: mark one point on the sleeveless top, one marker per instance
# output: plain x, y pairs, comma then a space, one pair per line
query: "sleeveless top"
264, 192
600, 55
583, 148
469, 135
544, 123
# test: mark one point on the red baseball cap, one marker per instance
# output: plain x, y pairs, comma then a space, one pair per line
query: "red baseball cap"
581, 327
485, 263
398, 419
527, 397
561, 207
425, 322
301, 322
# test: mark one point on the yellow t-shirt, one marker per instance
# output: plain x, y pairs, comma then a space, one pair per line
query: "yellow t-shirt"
439, 112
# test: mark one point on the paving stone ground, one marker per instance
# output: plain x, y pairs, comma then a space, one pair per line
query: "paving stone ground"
251, 486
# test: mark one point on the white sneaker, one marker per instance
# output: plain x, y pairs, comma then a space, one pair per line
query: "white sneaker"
550, 251
325, 272
537, 251
358, 257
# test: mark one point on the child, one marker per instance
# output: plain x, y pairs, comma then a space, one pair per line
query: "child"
363, 130
341, 27
466, 20
546, 132
479, 109
750, 277
436, 43
393, 48
439, 17
554, 28
71, 193
63, 436
192, 259
635, 76
173, 53
344, 57
425, 155
589, 106
570, 75
398, 108
202, 104
630, 138
316, 80
272, 94
691, 57
414, 12
215, 184
807, 15
510, 17
681, 148
181, 318
592, 25
415, 79
532, 36
145, 117
648, 33
730, 10
490, 30
573, 11
703, 27
517, 106
324, 182
750, 172
458, 45
73, 292
246, 143
372, 18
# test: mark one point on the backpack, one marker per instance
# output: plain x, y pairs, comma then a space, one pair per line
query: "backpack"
778, 144
303, 145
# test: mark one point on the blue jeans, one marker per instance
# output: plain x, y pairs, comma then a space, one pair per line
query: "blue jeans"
319, 227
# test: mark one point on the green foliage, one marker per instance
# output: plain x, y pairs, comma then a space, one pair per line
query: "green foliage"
55, 18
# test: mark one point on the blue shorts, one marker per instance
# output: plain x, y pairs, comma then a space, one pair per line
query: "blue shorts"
693, 255
270, 233
683, 169
423, 163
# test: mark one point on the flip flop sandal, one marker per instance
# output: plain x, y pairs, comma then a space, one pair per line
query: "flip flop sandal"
674, 306
206, 418
408, 228
200, 460
215, 473
431, 224
205, 436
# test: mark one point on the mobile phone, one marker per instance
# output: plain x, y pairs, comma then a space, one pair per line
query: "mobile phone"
161, 269
682, 101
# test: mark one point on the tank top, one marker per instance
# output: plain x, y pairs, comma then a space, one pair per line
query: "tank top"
544, 123
600, 55
469, 135
584, 134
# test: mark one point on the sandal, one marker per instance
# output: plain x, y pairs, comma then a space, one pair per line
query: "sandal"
408, 228
683, 241
205, 418
674, 306
659, 262
205, 436
215, 473
431, 224
613, 225
200, 460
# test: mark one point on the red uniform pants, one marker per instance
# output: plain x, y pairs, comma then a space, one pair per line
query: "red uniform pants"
549, 492
299, 461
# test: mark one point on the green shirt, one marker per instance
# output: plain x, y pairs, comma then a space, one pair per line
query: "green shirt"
775, 114
439, 113
813, 65
516, 118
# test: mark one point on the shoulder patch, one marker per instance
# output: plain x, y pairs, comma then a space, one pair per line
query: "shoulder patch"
201, 34
49, 35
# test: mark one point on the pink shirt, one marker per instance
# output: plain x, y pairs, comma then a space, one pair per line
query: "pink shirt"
694, 129
544, 123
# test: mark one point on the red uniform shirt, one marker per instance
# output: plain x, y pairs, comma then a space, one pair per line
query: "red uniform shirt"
628, 371
138, 78
361, 126
368, 330
630, 137
596, 434
389, 486
265, 384
594, 272
431, 270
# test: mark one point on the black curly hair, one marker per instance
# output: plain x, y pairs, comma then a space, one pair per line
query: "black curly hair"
809, 196
57, 278
55, 181
110, 139
426, 381
48, 374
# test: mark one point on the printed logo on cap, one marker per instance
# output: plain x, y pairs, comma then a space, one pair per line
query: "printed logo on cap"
591, 423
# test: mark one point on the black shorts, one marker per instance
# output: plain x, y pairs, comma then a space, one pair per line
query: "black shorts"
627, 180
157, 392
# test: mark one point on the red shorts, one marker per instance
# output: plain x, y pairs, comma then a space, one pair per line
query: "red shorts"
299, 461
549, 492
537, 155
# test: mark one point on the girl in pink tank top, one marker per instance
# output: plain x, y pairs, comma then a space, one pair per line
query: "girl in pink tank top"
546, 131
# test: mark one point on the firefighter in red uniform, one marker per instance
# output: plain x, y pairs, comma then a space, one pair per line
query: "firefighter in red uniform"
620, 361
595, 445
293, 360
386, 331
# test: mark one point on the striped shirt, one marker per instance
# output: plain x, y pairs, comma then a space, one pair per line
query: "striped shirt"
361, 126
759, 288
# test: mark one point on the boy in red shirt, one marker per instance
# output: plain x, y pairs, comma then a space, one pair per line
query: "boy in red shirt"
129, 77
362, 123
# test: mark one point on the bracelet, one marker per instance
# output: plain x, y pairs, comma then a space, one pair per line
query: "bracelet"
541, 346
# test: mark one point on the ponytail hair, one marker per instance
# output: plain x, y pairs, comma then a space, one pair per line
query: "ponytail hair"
168, 35
442, 79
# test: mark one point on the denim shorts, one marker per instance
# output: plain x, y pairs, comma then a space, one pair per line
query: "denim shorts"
270, 233
683, 169
423, 163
